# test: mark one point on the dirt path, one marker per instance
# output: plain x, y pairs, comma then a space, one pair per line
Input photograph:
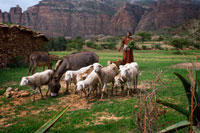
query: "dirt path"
187, 65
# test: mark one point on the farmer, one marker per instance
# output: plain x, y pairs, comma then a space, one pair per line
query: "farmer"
127, 51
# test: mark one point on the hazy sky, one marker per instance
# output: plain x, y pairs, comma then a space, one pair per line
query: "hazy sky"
24, 4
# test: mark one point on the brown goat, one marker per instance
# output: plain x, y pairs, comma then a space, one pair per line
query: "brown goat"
39, 59
117, 63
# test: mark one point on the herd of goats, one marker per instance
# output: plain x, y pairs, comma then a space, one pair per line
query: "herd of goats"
82, 69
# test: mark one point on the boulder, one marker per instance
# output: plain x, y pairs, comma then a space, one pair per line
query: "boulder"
8, 95
25, 94
9, 89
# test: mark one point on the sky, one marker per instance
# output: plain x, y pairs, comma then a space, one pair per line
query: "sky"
24, 4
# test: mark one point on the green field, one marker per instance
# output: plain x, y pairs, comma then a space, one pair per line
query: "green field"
114, 114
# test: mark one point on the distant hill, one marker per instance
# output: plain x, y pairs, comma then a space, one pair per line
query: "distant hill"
190, 29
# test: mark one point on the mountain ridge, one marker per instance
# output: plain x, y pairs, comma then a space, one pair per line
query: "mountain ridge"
110, 17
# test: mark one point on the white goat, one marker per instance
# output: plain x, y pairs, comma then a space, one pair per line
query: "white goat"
107, 75
90, 82
70, 76
36, 80
128, 74
83, 75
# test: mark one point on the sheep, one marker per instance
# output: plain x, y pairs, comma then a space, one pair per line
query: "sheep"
37, 80
83, 75
106, 75
119, 81
58, 64
71, 76
91, 81
128, 74
117, 63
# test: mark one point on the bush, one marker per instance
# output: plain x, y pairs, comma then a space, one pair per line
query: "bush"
180, 43
144, 47
197, 45
76, 43
113, 39
145, 36
157, 46
18, 62
109, 45
91, 45
57, 44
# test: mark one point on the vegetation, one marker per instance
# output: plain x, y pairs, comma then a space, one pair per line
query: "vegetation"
93, 117
180, 43
145, 36
93, 45
192, 92
57, 44
61, 44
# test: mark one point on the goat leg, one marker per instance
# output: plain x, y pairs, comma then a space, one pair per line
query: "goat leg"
75, 89
34, 94
34, 68
102, 92
122, 89
40, 92
112, 87
128, 89
67, 88
30, 67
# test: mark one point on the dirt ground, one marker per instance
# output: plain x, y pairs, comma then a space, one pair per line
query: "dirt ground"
187, 65
73, 101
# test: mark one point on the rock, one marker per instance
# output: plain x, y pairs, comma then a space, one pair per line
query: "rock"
168, 13
8, 95
9, 89
16, 89
25, 94
14, 93
73, 18
126, 19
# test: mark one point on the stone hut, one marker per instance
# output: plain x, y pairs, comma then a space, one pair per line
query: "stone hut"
18, 41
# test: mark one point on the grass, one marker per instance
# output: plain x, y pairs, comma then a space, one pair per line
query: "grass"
89, 119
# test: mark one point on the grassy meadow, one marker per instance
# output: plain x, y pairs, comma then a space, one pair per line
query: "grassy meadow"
114, 114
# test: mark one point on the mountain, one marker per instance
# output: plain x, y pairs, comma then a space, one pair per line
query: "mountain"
110, 17
169, 13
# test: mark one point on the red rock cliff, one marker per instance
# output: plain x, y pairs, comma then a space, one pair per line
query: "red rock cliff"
84, 17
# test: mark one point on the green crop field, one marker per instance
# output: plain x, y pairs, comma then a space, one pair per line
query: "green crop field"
113, 114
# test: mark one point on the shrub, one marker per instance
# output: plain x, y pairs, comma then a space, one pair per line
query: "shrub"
180, 43
197, 45
18, 61
57, 44
91, 44
145, 36
76, 43
109, 45
157, 46
113, 39
144, 47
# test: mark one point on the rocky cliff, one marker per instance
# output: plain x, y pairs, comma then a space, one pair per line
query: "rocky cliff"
18, 42
66, 17
169, 13
93, 17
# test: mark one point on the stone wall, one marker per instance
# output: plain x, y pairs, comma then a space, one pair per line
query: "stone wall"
18, 41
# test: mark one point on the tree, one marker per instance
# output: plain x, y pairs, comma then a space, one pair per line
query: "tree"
145, 36
57, 44
180, 43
